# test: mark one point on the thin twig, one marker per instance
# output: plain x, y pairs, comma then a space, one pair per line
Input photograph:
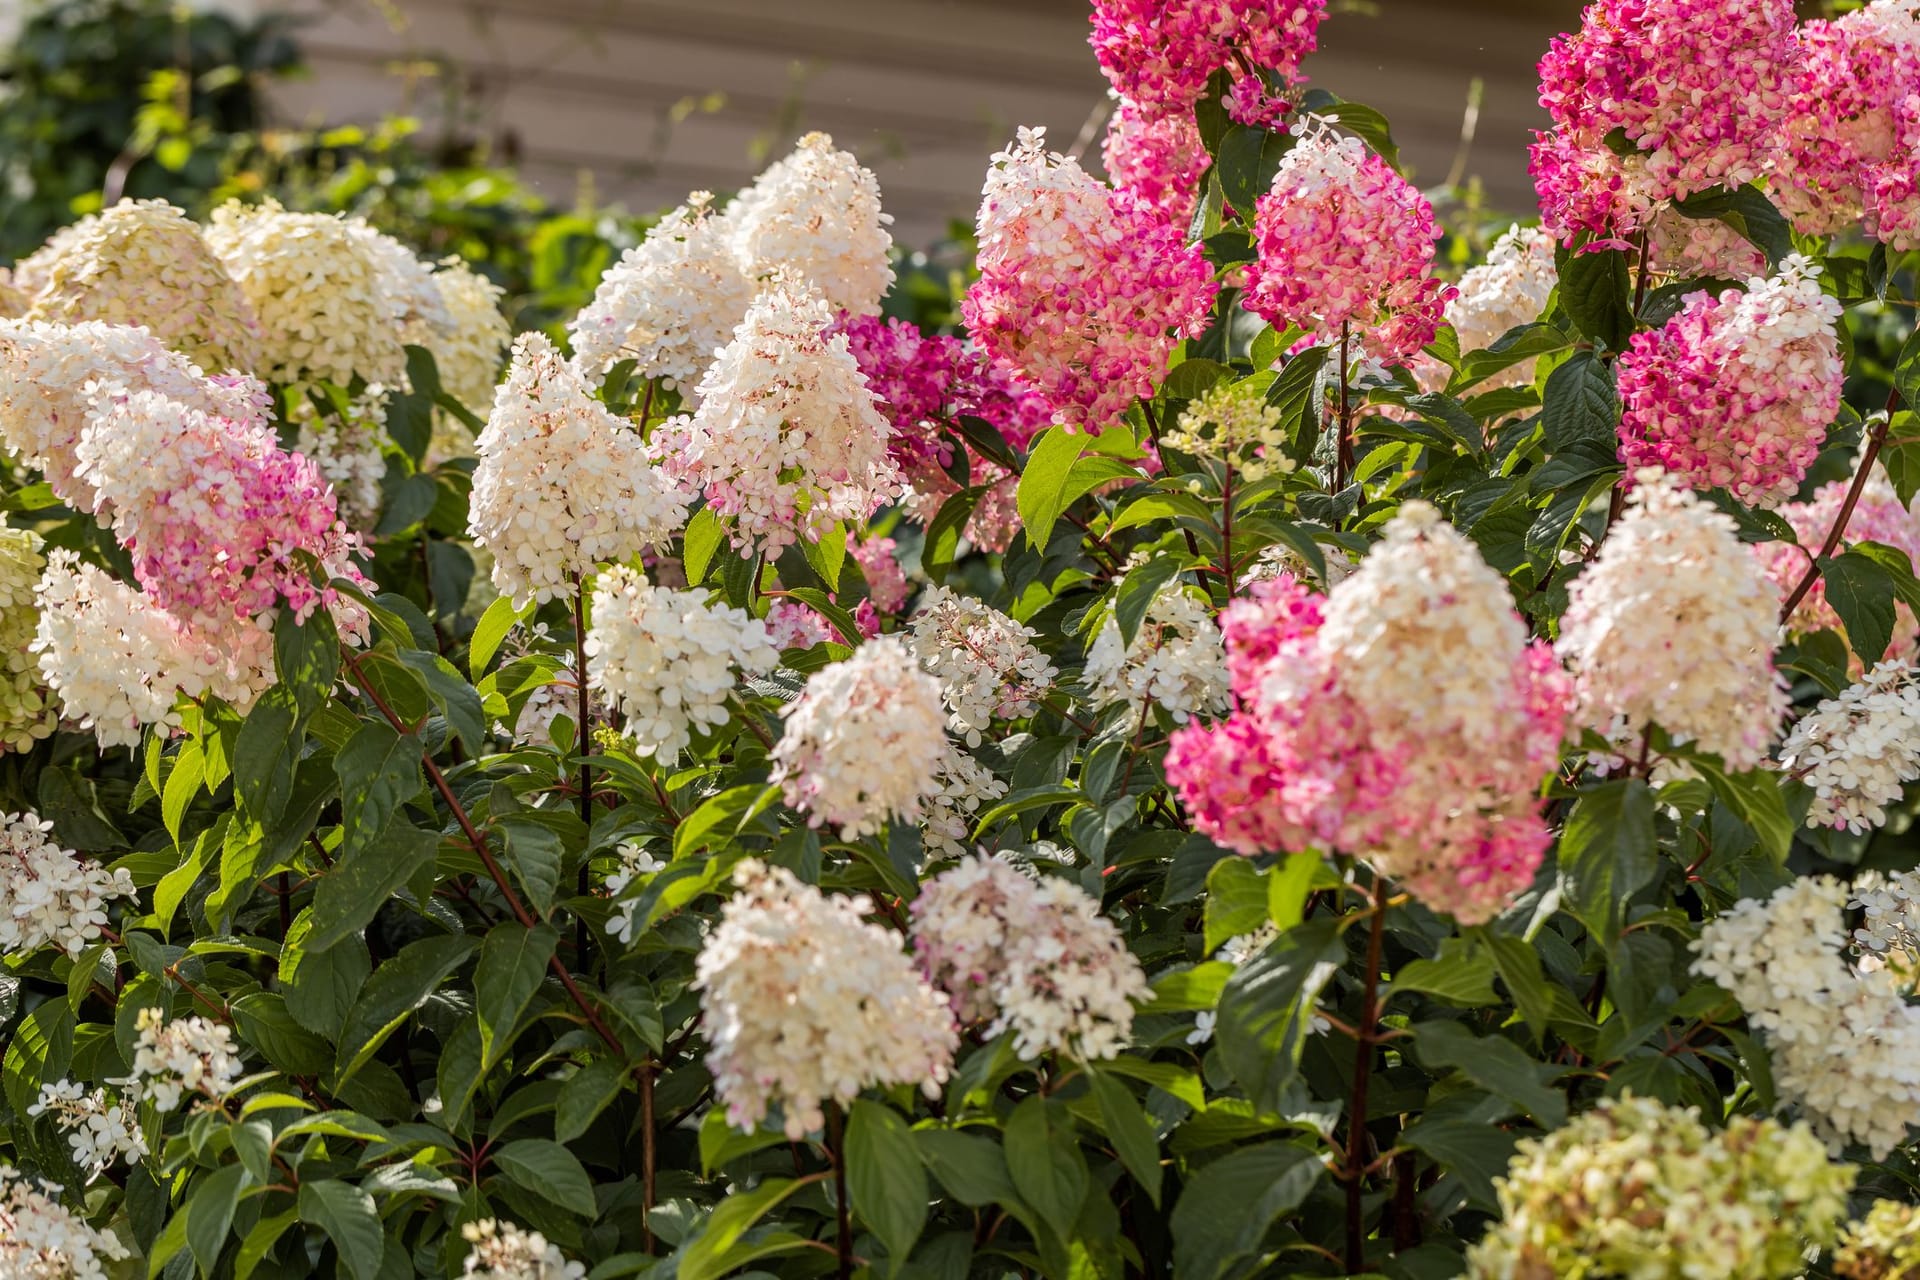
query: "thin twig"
1876, 436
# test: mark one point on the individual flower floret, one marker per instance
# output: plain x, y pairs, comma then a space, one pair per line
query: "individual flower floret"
815, 216
51, 896
986, 662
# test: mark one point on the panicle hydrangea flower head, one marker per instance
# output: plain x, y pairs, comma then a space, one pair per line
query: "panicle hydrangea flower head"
804, 1002
1345, 243
1176, 660
1878, 516
1083, 290
792, 625
986, 662
563, 485
1160, 53
502, 1251
1736, 392
1160, 158
1508, 290
670, 303
172, 1059
1035, 956
41, 1239
1233, 422
1638, 1188
786, 439
668, 659
1701, 88
915, 380
13, 299
886, 580
50, 896
1884, 1245
961, 785
863, 740
49, 375
143, 262
1841, 1036
815, 215
118, 662
467, 354
1673, 624
320, 292
1859, 750
1854, 129
1326, 748
26, 713
102, 1132
220, 520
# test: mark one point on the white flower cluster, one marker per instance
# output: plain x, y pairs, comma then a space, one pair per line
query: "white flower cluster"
862, 741
635, 861
40, 1239
559, 696
563, 486
143, 262
502, 1251
1673, 624
787, 438
668, 659
1859, 750
987, 664
1843, 1038
671, 301
49, 374
1177, 659
467, 353
119, 662
961, 785
26, 713
102, 1131
186, 1055
1034, 955
1506, 291
816, 214
1889, 932
804, 1002
50, 896
1637, 1188
1426, 627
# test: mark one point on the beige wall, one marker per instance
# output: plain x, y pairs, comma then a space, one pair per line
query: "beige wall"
923, 90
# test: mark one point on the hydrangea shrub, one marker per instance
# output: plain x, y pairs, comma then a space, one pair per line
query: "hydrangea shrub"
1267, 750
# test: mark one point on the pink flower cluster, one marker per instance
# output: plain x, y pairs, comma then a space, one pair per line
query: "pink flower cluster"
1855, 129
1879, 516
1161, 159
1344, 241
222, 523
1160, 53
1736, 392
1313, 757
1702, 88
1083, 290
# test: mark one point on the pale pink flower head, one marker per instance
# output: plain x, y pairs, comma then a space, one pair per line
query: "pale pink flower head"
1736, 392
1083, 290
1344, 241
886, 581
1160, 53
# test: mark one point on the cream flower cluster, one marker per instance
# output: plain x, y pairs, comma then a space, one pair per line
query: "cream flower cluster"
13, 299
987, 664
143, 262
804, 1003
563, 485
1859, 750
668, 659
50, 896
1884, 1245
1177, 660
1036, 956
1673, 624
786, 439
101, 1131
670, 303
187, 1055
26, 713
961, 785
1508, 290
502, 1251
862, 741
41, 1239
559, 696
1638, 1188
1234, 422
466, 354
816, 215
1842, 1036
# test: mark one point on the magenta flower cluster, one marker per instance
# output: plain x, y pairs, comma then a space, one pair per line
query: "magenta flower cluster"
1161, 159
1344, 241
1160, 53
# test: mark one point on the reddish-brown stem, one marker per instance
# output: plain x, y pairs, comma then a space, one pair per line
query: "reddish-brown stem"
1876, 437
647, 1181
837, 1148
478, 843
646, 407
1356, 1162
1343, 446
286, 906
1226, 528
1153, 433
